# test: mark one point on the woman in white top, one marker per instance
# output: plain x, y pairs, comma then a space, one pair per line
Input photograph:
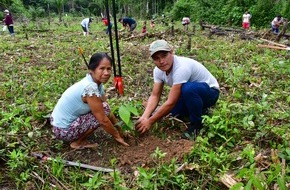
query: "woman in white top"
82, 108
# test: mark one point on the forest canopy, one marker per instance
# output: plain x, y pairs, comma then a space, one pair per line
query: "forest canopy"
222, 12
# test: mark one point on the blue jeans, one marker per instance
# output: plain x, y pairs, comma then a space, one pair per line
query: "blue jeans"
11, 30
195, 99
109, 28
275, 30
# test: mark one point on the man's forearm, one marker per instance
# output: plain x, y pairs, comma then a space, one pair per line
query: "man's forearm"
150, 107
161, 112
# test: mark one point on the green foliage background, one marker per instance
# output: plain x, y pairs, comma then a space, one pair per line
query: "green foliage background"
222, 12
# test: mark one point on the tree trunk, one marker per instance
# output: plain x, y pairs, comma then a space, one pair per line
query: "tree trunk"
48, 11
60, 15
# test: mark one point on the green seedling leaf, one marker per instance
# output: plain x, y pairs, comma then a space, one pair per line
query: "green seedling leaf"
132, 109
257, 184
237, 186
124, 114
281, 183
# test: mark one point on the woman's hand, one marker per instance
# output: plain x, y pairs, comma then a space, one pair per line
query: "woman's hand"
121, 140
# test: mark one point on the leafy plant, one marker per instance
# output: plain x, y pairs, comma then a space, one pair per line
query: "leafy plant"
118, 180
95, 182
125, 112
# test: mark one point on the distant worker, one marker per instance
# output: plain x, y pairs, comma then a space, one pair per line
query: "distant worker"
85, 25
106, 23
128, 22
8, 22
144, 27
246, 20
185, 23
152, 24
276, 23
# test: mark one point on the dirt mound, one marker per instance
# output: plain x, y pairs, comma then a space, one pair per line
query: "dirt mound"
139, 154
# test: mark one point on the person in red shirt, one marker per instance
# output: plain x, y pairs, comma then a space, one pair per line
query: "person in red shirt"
152, 24
8, 21
106, 23
144, 27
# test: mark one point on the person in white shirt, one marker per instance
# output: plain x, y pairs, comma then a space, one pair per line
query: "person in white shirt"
83, 108
85, 25
276, 23
185, 22
246, 20
193, 89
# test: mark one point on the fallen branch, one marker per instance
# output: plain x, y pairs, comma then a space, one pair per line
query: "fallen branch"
70, 163
273, 47
274, 43
142, 35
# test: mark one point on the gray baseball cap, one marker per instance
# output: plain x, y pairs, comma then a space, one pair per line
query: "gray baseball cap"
159, 45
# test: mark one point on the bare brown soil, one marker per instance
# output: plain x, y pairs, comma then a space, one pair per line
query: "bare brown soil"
139, 154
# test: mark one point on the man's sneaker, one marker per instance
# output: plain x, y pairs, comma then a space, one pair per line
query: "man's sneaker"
190, 133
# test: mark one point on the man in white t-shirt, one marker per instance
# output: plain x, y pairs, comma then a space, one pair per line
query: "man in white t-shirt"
276, 23
246, 20
193, 89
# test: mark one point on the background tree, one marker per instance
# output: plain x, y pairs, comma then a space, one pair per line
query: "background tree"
59, 5
221, 12
36, 12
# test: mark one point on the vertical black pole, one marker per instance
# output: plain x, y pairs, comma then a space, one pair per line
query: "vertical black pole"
116, 36
110, 34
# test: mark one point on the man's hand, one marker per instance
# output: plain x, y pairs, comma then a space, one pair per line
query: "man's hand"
142, 125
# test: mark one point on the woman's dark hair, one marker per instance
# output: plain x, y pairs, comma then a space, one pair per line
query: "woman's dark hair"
96, 60
120, 19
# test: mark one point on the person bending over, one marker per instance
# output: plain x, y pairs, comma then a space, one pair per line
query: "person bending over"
85, 25
128, 22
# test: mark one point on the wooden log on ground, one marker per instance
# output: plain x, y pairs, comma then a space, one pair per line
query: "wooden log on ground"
273, 47
219, 30
39, 30
273, 43
144, 35
204, 25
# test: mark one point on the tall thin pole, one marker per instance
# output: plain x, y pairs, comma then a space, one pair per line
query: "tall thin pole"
110, 34
116, 36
